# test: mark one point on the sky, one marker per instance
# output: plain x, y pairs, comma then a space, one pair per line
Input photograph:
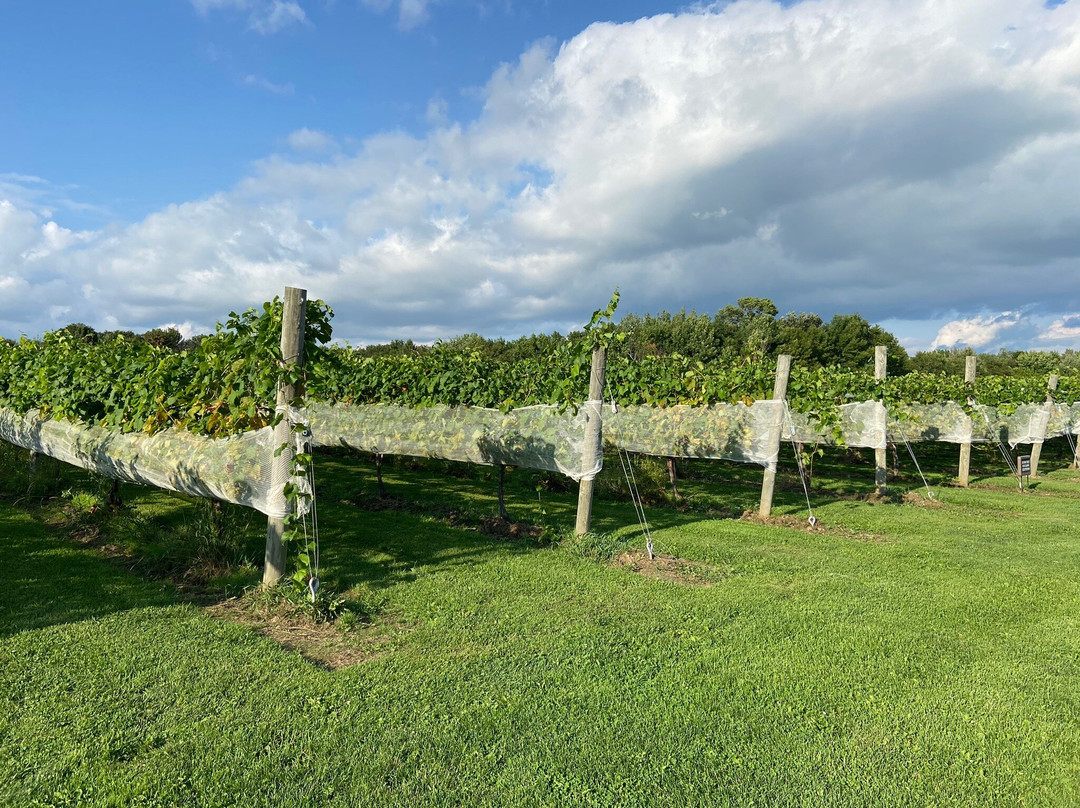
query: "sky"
437, 167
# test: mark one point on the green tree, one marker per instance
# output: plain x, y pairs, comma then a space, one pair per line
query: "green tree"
748, 329
163, 338
849, 341
802, 336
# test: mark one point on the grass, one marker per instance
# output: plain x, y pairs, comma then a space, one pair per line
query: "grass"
900, 654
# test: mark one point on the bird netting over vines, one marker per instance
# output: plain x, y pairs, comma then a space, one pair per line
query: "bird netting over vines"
199, 421
236, 469
540, 437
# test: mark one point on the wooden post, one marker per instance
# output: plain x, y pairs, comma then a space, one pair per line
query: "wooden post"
502, 494
1076, 453
292, 353
880, 471
673, 477
965, 448
1036, 448
378, 475
779, 393
593, 436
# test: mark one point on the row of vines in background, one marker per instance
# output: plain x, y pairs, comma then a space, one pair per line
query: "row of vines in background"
227, 383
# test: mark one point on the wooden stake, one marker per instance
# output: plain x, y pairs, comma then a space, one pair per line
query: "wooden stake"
593, 438
292, 353
1036, 448
673, 477
502, 494
965, 448
880, 471
779, 393
378, 475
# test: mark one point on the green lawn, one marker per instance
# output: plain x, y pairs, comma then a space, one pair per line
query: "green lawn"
906, 654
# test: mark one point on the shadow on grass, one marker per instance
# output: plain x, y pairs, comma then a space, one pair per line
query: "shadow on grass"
381, 549
47, 580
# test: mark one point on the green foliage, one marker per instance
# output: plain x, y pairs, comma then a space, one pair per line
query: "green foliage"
299, 499
1004, 363
218, 533
595, 546
750, 328
225, 385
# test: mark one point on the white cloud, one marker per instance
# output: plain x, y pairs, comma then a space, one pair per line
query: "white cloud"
975, 332
43, 198
1064, 328
411, 13
705, 215
264, 16
897, 159
187, 329
269, 19
436, 113
251, 80
311, 140
55, 238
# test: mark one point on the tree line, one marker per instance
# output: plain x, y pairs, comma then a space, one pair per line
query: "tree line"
751, 327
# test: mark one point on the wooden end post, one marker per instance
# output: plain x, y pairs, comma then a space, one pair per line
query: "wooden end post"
880, 471
1036, 448
779, 393
292, 353
965, 448
593, 437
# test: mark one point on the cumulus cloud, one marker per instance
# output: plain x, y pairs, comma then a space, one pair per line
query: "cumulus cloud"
1064, 328
898, 159
975, 332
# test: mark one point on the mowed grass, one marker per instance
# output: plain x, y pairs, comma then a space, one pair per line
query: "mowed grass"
904, 654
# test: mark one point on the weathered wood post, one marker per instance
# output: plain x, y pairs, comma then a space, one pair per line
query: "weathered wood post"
779, 393
881, 360
965, 448
1036, 448
292, 353
593, 436
502, 494
1076, 455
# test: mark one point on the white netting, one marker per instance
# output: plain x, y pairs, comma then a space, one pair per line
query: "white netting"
236, 469
918, 423
246, 470
860, 424
740, 432
538, 437
1064, 420
1028, 424
950, 422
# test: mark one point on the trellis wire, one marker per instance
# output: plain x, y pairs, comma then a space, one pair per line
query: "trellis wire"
907, 443
635, 497
806, 490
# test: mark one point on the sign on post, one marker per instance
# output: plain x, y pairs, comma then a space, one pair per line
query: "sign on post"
1023, 468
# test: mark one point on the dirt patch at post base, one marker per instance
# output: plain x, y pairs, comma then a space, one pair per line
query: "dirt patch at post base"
322, 644
669, 568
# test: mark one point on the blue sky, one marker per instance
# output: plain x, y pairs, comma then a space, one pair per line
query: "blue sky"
432, 168
142, 104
